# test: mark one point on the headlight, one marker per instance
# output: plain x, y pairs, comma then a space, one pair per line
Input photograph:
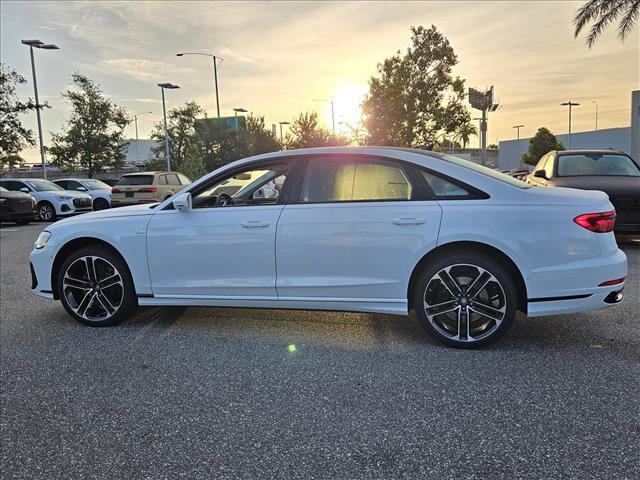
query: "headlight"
42, 239
62, 199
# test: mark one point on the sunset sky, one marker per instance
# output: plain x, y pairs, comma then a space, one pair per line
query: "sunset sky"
278, 57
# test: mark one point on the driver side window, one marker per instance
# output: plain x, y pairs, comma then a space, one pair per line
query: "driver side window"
255, 186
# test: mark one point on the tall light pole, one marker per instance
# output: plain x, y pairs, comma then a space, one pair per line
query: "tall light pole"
135, 121
44, 46
215, 72
281, 124
569, 104
518, 127
596, 102
164, 86
333, 118
236, 111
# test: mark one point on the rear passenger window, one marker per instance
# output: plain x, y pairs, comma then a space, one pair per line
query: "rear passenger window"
444, 188
172, 179
162, 180
349, 181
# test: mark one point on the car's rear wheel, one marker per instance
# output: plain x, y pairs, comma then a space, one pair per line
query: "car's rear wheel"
46, 212
465, 300
100, 204
95, 287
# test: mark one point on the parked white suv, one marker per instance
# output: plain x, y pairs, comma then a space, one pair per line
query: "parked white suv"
99, 191
52, 200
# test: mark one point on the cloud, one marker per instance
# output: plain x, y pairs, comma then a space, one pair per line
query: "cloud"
143, 69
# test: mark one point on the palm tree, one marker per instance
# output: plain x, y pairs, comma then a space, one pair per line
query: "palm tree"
602, 13
464, 133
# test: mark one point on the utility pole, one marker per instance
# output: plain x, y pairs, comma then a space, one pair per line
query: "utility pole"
518, 127
569, 104
596, 102
164, 86
44, 46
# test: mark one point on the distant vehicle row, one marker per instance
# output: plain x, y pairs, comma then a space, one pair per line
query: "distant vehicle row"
71, 196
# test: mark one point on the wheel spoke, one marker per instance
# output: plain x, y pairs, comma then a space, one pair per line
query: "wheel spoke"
104, 302
479, 283
110, 281
449, 282
441, 308
463, 324
86, 302
91, 269
489, 312
76, 283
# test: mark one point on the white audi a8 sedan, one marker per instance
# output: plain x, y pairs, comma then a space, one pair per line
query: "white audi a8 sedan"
371, 229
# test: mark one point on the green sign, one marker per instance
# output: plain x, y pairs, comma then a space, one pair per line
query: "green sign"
233, 123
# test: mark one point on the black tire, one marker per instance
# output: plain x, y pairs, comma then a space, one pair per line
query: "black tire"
100, 204
104, 260
46, 212
498, 300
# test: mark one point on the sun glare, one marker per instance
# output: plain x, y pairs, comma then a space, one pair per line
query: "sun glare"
347, 105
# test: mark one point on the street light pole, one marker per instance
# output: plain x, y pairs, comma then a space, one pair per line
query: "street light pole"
215, 72
164, 114
281, 124
569, 104
518, 127
135, 121
38, 44
333, 118
596, 102
236, 111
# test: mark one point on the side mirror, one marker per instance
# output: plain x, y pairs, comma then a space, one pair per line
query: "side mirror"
540, 174
265, 193
81, 189
24, 189
182, 202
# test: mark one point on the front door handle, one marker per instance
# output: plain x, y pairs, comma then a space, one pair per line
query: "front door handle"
408, 221
254, 224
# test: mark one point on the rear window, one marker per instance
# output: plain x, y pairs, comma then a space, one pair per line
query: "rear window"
503, 177
136, 180
598, 164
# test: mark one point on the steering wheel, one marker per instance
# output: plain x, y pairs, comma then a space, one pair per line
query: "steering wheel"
224, 200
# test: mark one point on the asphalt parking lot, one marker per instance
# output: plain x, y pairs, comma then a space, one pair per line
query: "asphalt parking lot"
218, 393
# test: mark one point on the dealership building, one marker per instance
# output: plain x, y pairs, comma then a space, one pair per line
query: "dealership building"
626, 139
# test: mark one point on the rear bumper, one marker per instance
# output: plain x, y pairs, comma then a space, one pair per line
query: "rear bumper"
549, 295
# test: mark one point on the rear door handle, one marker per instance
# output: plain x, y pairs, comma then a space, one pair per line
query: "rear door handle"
254, 224
408, 221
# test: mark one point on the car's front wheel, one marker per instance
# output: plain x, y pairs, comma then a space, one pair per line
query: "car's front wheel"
95, 287
100, 204
465, 300
46, 212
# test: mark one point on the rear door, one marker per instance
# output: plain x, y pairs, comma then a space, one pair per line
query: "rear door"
354, 230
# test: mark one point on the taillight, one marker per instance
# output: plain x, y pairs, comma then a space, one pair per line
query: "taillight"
147, 190
608, 283
115, 190
597, 222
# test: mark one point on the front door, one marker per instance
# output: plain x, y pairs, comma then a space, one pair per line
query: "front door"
224, 247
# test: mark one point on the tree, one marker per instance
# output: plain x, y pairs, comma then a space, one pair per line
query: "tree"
260, 139
415, 98
492, 146
93, 138
181, 132
306, 133
464, 132
13, 135
604, 12
541, 143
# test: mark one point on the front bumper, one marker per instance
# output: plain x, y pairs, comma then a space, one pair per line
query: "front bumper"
40, 263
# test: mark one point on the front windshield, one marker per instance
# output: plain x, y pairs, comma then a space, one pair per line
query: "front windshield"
96, 184
598, 164
43, 186
484, 170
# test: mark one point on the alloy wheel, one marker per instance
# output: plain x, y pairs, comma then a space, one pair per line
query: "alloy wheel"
93, 288
45, 212
465, 302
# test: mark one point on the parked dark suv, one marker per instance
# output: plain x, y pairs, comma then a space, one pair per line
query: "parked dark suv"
610, 171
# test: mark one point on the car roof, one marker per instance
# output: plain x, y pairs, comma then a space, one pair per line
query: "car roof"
584, 152
369, 150
151, 172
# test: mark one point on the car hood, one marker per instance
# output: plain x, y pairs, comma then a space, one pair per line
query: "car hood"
15, 195
62, 193
613, 186
566, 196
143, 209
